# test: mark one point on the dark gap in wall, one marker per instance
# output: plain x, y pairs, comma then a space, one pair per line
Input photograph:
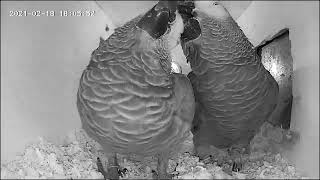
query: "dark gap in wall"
281, 33
277, 59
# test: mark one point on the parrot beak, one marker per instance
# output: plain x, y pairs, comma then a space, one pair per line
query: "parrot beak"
192, 28
157, 20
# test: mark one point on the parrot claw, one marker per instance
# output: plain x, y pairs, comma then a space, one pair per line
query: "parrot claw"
237, 157
122, 172
237, 165
113, 171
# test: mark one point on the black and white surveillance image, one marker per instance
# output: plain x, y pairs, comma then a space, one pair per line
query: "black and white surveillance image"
187, 89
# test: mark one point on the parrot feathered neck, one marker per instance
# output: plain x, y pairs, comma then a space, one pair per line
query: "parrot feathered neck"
227, 38
229, 25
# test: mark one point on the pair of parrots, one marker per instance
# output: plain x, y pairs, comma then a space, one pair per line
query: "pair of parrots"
131, 101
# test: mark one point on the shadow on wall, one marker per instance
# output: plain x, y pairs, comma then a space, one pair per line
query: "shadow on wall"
42, 59
277, 59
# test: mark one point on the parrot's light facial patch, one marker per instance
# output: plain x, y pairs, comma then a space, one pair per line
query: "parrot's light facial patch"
176, 30
212, 8
178, 57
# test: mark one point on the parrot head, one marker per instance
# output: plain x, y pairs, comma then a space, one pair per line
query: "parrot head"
213, 12
193, 11
208, 21
197, 10
213, 9
172, 20
169, 23
159, 18
192, 28
163, 22
161, 28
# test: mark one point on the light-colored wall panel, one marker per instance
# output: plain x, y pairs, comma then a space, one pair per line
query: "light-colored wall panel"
265, 18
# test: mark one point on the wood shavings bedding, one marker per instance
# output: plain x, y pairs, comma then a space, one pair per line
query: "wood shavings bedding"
76, 159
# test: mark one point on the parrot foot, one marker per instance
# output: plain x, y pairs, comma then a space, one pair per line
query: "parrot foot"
237, 157
237, 164
113, 170
162, 168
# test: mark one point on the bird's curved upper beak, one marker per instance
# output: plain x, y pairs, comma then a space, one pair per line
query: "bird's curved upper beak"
192, 29
157, 20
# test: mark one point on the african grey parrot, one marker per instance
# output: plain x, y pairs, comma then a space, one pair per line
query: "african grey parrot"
128, 99
234, 93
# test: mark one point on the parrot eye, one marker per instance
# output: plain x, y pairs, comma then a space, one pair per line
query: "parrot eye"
215, 3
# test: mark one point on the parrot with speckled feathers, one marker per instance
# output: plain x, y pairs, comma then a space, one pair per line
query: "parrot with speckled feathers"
129, 100
234, 93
